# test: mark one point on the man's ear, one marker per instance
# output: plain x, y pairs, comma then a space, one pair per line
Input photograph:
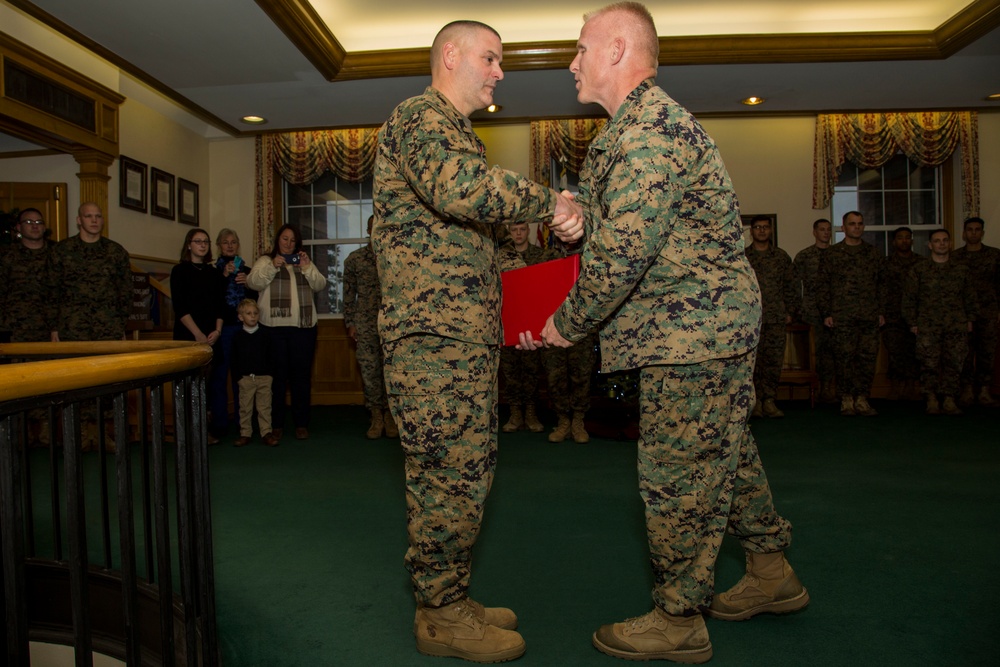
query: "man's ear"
449, 55
617, 50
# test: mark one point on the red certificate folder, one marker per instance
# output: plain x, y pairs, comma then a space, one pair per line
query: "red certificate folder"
533, 293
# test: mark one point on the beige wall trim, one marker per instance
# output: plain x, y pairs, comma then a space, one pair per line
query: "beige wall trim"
306, 30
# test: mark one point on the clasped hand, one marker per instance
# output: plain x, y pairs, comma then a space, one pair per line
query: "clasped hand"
567, 223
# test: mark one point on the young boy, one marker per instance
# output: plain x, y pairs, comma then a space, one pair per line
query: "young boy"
250, 365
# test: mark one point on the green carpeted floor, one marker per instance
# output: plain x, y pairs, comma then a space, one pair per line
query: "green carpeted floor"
894, 537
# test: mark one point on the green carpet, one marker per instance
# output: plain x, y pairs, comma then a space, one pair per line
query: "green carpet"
894, 538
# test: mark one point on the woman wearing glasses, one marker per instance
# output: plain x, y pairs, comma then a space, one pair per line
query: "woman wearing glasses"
197, 291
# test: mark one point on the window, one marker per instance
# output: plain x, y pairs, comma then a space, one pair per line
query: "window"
332, 215
899, 193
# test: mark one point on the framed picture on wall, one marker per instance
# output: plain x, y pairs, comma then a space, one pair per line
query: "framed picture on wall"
187, 202
161, 193
747, 219
131, 184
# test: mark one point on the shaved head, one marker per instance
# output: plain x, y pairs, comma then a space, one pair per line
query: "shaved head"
457, 33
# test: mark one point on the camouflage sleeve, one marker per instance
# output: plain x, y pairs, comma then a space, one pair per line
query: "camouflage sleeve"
454, 176
123, 283
823, 283
792, 295
350, 289
629, 236
911, 291
970, 297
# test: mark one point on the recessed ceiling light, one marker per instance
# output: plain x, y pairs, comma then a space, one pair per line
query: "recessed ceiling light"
493, 108
995, 97
253, 120
752, 101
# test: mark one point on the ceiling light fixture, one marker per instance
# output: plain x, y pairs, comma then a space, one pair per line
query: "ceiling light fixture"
253, 120
995, 97
493, 108
752, 101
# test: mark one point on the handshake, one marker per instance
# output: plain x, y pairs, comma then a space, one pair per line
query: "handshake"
567, 223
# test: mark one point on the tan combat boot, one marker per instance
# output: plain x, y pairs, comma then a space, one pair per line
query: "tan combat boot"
531, 419
984, 398
769, 409
847, 406
949, 407
390, 425
561, 430
656, 636
758, 410
498, 617
861, 407
374, 431
516, 420
578, 429
769, 586
933, 407
456, 631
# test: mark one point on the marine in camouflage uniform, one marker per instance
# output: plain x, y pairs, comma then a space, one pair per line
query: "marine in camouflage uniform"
438, 209
520, 369
362, 301
983, 262
664, 279
568, 372
899, 341
806, 265
92, 282
780, 302
850, 303
26, 304
939, 305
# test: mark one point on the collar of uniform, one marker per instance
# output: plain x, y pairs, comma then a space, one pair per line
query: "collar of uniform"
598, 144
449, 109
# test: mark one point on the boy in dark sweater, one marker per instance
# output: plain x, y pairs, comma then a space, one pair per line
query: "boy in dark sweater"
250, 364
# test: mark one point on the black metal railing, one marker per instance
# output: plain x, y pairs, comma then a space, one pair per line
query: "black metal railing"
105, 516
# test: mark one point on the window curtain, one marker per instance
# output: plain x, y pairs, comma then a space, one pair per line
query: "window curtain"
564, 140
301, 158
869, 140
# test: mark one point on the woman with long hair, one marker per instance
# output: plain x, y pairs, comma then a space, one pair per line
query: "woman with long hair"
197, 292
286, 279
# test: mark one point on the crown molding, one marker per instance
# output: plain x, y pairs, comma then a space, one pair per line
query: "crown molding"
305, 29
303, 26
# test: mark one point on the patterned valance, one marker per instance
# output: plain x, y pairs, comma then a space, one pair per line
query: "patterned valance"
564, 140
870, 140
301, 158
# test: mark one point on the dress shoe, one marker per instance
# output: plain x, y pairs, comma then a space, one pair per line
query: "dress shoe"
301, 433
277, 433
270, 440
241, 441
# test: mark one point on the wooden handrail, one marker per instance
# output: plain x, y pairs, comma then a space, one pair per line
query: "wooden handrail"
93, 364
